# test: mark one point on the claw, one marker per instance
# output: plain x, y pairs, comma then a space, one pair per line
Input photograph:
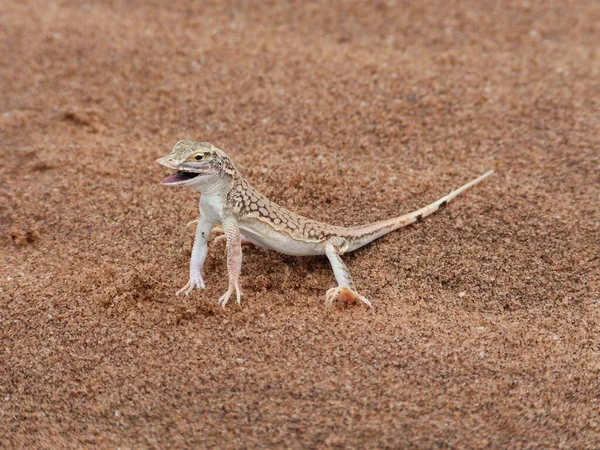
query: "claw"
190, 285
186, 289
344, 295
225, 297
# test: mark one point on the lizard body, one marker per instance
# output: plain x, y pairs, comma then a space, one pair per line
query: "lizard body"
247, 215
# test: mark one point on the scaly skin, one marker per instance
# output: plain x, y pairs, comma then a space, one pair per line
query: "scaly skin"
247, 216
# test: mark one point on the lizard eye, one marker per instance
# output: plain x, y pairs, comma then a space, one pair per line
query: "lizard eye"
198, 157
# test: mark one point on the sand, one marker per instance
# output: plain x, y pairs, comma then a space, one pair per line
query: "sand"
486, 326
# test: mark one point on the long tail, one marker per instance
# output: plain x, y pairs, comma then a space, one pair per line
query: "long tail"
362, 235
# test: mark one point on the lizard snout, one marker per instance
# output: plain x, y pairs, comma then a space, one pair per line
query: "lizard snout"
168, 162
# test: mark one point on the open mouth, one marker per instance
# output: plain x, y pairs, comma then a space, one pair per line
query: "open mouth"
179, 177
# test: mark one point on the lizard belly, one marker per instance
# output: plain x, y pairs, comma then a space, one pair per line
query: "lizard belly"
264, 236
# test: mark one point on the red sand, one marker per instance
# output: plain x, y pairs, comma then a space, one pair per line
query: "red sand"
346, 113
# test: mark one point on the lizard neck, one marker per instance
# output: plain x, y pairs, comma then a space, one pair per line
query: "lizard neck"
217, 185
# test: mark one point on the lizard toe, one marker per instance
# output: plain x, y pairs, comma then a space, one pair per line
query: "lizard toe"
186, 289
224, 298
194, 282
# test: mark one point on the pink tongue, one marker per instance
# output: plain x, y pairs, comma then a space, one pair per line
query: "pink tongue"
171, 179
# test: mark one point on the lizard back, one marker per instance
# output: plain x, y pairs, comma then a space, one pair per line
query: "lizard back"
249, 203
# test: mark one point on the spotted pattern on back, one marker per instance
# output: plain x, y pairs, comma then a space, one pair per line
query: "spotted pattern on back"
249, 203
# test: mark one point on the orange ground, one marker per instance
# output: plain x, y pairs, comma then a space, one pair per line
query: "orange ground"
347, 113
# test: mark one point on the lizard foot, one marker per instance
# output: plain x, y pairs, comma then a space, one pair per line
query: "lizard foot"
345, 296
220, 236
217, 232
195, 281
225, 297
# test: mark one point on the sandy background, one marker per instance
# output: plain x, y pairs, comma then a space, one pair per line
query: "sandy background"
347, 113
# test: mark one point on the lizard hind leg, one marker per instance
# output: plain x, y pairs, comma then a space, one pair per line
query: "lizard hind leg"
345, 292
219, 235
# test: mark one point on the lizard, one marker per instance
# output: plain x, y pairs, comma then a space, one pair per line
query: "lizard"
247, 216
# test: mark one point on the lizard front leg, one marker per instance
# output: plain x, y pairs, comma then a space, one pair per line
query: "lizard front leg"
199, 251
345, 290
234, 258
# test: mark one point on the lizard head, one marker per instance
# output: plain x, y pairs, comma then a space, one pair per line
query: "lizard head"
196, 164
